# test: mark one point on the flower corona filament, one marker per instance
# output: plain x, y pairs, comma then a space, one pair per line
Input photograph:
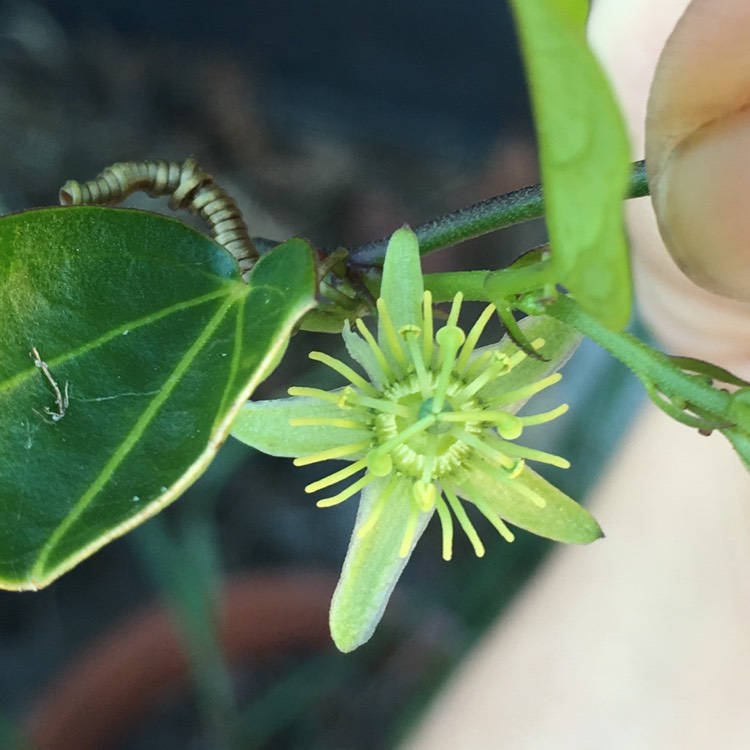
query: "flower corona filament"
437, 418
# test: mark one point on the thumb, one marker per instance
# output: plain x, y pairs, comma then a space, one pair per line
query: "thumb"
698, 145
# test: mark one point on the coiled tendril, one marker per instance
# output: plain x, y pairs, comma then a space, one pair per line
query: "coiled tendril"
188, 186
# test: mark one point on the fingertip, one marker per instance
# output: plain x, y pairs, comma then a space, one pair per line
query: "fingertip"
700, 198
697, 131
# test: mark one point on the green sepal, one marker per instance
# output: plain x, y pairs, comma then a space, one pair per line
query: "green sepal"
372, 566
402, 285
265, 426
561, 519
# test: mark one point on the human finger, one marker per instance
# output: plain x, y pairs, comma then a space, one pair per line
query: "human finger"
628, 37
697, 136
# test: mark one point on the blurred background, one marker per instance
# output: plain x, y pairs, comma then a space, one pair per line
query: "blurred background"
336, 121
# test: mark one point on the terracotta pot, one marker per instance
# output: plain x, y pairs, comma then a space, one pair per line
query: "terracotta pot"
116, 679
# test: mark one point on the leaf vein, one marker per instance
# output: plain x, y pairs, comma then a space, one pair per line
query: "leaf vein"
19, 379
132, 437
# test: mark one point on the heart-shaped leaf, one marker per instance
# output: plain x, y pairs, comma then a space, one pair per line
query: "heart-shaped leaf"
128, 343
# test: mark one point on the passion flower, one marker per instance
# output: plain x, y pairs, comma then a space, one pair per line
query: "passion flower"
429, 428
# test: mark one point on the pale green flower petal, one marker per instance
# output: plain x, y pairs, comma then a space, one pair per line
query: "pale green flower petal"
402, 286
372, 566
265, 425
561, 518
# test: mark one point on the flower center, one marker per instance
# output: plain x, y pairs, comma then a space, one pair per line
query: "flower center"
436, 422
419, 443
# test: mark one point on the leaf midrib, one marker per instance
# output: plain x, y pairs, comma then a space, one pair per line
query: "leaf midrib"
132, 438
18, 380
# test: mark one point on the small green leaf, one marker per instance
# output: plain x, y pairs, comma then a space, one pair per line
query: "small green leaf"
585, 156
158, 342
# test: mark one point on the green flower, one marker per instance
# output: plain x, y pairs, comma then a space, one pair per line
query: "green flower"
430, 429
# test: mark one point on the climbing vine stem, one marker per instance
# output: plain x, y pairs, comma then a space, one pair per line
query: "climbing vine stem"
666, 381
481, 218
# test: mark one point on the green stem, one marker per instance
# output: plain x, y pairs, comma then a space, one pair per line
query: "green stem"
654, 369
445, 285
480, 218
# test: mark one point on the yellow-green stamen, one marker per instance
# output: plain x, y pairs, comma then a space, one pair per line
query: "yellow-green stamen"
493, 518
344, 370
377, 352
391, 337
345, 494
427, 331
450, 338
380, 405
411, 528
460, 513
340, 451
337, 476
526, 392
495, 457
532, 454
377, 508
446, 523
500, 475
424, 494
455, 310
544, 417
319, 393
411, 335
499, 366
508, 425
472, 338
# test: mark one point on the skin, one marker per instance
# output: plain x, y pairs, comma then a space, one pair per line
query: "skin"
697, 124
641, 640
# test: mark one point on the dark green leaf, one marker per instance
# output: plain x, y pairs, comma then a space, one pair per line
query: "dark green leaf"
149, 327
